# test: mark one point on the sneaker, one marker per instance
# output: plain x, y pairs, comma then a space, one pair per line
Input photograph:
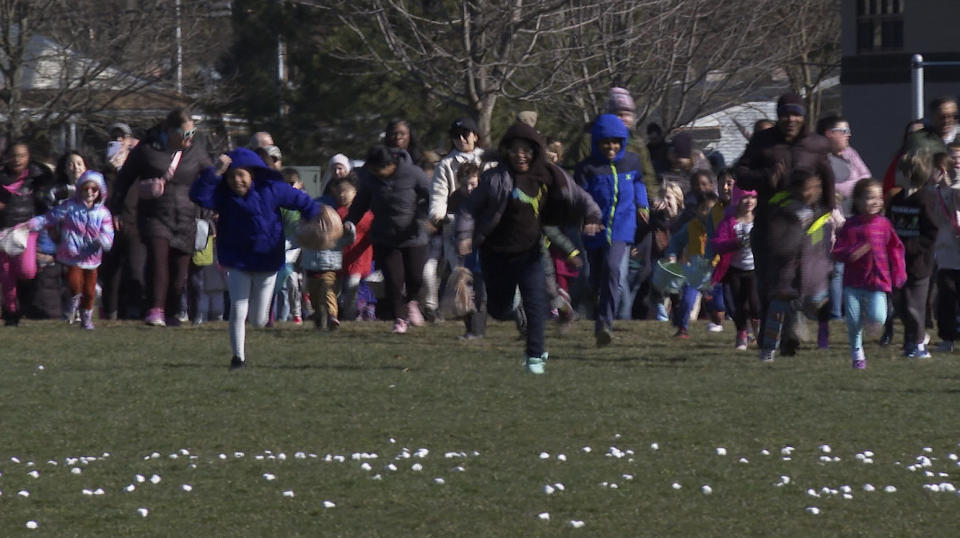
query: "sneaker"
469, 336
662, 312
370, 312
858, 359
86, 320
333, 323
918, 352
714, 327
742, 341
71, 314
536, 365
155, 318
944, 347
823, 335
766, 355
604, 337
297, 320
886, 339
430, 315
681, 333
399, 326
237, 362
199, 319
182, 316
414, 316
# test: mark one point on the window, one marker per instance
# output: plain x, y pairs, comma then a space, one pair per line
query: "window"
879, 25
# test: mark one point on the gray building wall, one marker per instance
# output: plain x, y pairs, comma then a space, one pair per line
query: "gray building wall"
876, 88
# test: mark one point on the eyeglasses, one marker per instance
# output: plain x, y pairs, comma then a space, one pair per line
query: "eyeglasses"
841, 130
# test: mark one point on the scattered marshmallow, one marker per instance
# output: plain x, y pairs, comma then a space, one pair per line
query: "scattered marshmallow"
34, 473
32, 524
549, 490
130, 488
890, 489
869, 488
143, 512
743, 460
288, 493
765, 452
269, 476
707, 490
544, 455
576, 523
186, 487
561, 457
587, 449
654, 446
813, 510
676, 485
329, 504
76, 470
366, 466
825, 448
439, 481
23, 493
140, 478
545, 516
721, 451
155, 479
416, 467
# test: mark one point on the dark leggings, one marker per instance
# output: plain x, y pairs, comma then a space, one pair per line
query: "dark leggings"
166, 273
122, 275
401, 265
746, 299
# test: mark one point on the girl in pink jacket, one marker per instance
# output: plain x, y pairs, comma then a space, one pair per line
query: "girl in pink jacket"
873, 259
735, 268
86, 231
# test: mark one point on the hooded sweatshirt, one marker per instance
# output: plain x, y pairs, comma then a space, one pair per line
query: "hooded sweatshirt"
85, 232
615, 184
250, 228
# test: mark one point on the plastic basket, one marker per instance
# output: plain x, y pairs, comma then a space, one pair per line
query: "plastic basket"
668, 277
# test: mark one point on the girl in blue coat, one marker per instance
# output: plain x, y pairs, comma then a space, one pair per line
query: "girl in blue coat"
612, 175
250, 241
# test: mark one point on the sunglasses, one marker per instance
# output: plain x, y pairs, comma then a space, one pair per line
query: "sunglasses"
840, 130
188, 134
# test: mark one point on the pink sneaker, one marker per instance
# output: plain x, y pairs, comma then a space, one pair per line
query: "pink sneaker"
859, 360
155, 318
399, 326
414, 316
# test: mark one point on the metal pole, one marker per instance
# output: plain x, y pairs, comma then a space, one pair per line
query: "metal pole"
179, 53
916, 80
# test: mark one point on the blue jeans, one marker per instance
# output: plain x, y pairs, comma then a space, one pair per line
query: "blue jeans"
711, 303
502, 274
863, 305
836, 291
606, 264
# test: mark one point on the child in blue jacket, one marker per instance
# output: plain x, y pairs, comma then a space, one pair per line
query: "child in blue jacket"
613, 178
250, 241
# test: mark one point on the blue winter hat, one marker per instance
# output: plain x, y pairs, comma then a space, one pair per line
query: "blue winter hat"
245, 158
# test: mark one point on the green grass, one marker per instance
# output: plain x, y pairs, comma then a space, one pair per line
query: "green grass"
131, 391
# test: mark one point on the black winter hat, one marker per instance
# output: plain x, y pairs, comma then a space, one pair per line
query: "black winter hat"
464, 124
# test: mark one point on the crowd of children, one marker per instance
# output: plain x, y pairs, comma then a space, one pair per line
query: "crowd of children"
760, 241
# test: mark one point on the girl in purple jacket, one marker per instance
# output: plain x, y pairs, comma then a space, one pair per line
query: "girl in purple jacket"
736, 268
86, 231
873, 259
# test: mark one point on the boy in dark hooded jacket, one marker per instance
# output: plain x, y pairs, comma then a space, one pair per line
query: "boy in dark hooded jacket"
503, 217
613, 177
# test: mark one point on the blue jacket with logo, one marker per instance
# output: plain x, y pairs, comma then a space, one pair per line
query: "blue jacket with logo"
616, 185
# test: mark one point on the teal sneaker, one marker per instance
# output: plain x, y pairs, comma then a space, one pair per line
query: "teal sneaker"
535, 365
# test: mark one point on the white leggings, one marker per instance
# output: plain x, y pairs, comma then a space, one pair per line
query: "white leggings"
243, 287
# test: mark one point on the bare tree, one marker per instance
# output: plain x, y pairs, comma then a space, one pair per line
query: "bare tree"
65, 61
810, 41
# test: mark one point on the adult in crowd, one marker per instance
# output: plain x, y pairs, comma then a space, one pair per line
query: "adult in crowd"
260, 139
163, 168
465, 138
891, 180
23, 183
940, 129
657, 146
766, 166
397, 192
338, 167
398, 134
502, 218
121, 142
848, 167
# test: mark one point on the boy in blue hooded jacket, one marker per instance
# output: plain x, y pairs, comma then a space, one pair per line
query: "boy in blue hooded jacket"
612, 175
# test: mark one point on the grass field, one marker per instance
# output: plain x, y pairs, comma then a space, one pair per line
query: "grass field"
424, 435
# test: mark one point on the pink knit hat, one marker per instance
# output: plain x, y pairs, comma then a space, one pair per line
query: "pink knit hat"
739, 194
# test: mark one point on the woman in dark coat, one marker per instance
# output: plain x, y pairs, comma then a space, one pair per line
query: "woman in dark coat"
165, 217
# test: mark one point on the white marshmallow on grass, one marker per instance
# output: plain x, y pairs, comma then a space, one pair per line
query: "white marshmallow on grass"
676, 485
143, 512
544, 455
329, 504
869, 488
576, 523
764, 452
34, 473
654, 446
366, 466
416, 467
76, 470
439, 481
587, 449
140, 478
98, 491
706, 490
825, 449
721, 451
549, 490
813, 510
545, 516
288, 493
743, 460
23, 493
155, 479
890, 489
186, 487
269, 476
32, 524
559, 486
130, 488
561, 457
86, 491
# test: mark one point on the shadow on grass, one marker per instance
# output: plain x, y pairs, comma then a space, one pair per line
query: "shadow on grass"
268, 366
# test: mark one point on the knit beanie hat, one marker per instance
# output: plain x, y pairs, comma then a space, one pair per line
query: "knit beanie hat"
340, 158
791, 103
619, 101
